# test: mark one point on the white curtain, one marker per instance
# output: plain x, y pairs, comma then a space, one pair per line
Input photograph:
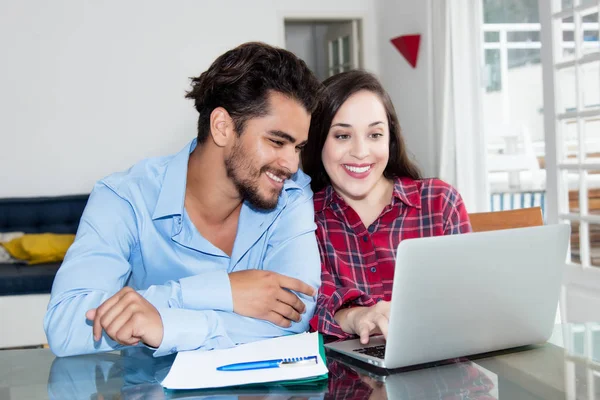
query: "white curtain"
457, 99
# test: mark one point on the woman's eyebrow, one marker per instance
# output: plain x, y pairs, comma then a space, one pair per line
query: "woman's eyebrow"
342, 124
345, 125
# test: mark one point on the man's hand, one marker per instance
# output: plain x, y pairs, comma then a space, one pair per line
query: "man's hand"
127, 318
365, 321
266, 295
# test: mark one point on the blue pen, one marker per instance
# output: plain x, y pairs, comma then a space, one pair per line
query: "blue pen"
282, 362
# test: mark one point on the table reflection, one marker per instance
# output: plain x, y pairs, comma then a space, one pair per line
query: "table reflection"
135, 374
567, 367
460, 379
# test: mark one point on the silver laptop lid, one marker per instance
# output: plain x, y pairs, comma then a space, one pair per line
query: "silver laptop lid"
466, 294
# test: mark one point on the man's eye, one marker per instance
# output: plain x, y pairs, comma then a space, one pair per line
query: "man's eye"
277, 143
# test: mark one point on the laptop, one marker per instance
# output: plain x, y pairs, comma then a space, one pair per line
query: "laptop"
461, 295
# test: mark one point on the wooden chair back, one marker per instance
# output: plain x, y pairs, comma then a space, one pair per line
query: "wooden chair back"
493, 221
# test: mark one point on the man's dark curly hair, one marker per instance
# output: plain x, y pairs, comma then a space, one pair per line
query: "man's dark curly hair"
241, 79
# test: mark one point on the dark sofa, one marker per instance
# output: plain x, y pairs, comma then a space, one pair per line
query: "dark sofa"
36, 215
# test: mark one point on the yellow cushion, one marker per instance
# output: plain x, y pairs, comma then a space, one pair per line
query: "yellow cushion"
40, 248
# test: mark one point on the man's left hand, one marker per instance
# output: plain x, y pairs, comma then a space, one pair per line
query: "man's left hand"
127, 318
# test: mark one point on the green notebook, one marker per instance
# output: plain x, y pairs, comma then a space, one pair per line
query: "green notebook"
315, 384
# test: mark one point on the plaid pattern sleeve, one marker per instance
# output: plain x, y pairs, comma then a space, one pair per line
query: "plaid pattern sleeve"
345, 383
358, 262
332, 297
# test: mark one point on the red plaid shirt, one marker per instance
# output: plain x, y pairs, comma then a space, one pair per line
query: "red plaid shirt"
357, 263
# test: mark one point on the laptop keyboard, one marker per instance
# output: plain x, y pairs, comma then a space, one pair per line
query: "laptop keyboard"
373, 351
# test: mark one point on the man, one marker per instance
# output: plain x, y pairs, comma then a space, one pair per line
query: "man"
213, 246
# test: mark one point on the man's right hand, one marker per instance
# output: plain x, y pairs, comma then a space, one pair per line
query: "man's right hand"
266, 295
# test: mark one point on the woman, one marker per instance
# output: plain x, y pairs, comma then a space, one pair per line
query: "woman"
368, 197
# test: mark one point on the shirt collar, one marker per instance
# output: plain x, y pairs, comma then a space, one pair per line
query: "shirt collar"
172, 192
406, 189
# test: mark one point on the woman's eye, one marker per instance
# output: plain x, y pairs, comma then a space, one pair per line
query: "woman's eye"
342, 136
376, 135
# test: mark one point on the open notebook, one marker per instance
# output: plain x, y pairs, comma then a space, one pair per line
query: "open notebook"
198, 369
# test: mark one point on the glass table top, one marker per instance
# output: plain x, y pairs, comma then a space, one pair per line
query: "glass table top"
567, 367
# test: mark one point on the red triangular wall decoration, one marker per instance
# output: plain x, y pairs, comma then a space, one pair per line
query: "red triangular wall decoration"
408, 46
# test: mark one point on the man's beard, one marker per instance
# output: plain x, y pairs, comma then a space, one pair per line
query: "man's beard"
248, 187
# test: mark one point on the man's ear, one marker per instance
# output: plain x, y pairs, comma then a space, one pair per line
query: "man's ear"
221, 127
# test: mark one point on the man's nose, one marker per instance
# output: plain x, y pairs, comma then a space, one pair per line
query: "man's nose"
289, 160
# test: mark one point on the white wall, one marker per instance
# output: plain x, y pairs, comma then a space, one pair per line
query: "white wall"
410, 89
88, 87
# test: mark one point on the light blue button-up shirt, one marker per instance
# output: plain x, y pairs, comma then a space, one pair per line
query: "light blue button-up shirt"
135, 232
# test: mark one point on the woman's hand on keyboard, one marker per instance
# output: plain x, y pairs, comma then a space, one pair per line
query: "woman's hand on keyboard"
365, 321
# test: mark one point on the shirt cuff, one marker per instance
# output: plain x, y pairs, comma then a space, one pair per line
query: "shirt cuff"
346, 300
329, 325
207, 291
190, 330
168, 295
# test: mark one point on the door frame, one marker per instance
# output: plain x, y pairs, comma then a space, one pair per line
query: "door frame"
365, 28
